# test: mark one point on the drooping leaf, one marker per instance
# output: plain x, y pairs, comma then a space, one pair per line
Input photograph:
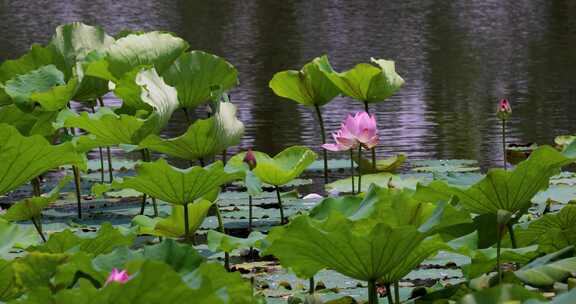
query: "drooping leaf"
173, 225
366, 82
284, 166
549, 269
45, 86
204, 138
176, 186
194, 73
308, 86
23, 158
31, 208
218, 241
512, 190
551, 232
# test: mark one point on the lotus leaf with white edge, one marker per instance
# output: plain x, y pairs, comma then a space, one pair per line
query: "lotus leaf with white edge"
366, 82
308, 86
204, 138
45, 86
24, 158
177, 186
511, 191
284, 166
194, 73
74, 41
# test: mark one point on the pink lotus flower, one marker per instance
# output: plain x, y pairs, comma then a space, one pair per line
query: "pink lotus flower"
359, 129
250, 159
118, 276
504, 109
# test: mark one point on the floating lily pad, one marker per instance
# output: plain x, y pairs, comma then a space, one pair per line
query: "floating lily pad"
448, 165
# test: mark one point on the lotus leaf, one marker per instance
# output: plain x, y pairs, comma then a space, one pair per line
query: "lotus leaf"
37, 122
552, 231
14, 235
204, 138
512, 190
173, 226
218, 241
366, 82
389, 164
506, 293
194, 73
176, 186
549, 269
24, 158
45, 86
283, 167
308, 87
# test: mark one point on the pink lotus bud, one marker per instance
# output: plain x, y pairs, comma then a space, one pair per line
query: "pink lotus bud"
504, 109
118, 276
250, 159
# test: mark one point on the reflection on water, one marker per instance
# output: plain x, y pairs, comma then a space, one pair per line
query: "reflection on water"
458, 57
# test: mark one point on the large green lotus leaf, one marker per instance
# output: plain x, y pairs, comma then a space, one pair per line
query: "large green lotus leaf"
505, 293
14, 235
37, 122
74, 41
173, 225
182, 258
549, 269
309, 86
218, 241
213, 284
485, 260
105, 128
193, 74
107, 239
153, 48
205, 137
284, 167
31, 208
551, 232
346, 205
45, 86
366, 82
177, 186
363, 250
511, 190
24, 158
36, 269
9, 288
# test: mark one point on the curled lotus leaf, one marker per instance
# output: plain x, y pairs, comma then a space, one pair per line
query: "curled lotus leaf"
284, 166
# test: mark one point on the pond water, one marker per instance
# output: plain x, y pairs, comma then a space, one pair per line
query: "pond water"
458, 59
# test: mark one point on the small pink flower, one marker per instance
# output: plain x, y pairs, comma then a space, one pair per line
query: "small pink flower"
359, 129
504, 109
250, 159
118, 276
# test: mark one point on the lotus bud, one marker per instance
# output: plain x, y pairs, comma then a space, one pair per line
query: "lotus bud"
250, 159
504, 109
118, 276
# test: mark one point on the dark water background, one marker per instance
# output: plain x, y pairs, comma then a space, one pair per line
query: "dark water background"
457, 57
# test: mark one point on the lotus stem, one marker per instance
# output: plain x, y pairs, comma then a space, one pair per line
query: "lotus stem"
36, 186
78, 191
201, 161
155, 206
397, 292
352, 169
224, 156
281, 207
359, 168
250, 213
504, 144
186, 224
512, 237
143, 204
372, 294
186, 115
38, 229
101, 153
109, 155
323, 136
498, 246
222, 230
373, 150
311, 285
